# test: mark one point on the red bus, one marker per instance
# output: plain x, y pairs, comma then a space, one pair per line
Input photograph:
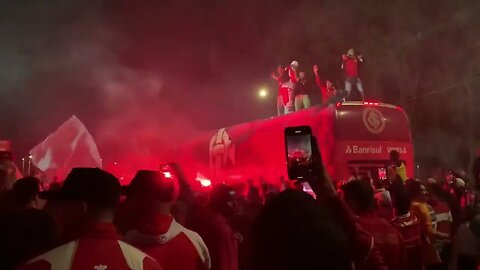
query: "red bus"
354, 137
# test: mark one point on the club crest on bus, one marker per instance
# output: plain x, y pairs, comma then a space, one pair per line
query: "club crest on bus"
373, 120
222, 151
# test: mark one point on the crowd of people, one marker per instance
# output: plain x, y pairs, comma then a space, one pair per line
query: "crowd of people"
158, 222
294, 94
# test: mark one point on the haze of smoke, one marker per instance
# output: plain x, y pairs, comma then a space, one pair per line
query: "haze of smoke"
137, 126
73, 68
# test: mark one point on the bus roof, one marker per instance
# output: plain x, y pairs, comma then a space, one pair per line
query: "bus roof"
363, 103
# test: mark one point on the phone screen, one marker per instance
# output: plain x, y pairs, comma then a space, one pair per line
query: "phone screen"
382, 173
299, 152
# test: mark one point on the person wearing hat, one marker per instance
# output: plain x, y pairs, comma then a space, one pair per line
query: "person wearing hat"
149, 225
289, 98
98, 246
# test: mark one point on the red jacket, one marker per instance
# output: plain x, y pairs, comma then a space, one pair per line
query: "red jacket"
443, 216
98, 249
279, 82
387, 239
326, 93
366, 253
171, 244
350, 65
283, 91
410, 228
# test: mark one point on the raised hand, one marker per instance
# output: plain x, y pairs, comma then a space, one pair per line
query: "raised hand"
274, 76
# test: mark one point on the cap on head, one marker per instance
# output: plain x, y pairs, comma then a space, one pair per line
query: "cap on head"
294, 64
153, 184
93, 186
459, 182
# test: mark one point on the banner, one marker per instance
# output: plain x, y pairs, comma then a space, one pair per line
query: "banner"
70, 146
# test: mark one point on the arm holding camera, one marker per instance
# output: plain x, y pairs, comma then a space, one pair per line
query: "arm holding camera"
365, 254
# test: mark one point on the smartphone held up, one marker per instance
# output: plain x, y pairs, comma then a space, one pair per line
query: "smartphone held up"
299, 152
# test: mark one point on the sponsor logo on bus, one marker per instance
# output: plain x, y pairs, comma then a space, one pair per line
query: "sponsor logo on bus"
373, 120
222, 150
377, 149
401, 150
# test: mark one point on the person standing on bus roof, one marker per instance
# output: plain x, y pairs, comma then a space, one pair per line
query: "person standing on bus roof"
278, 76
290, 85
329, 92
302, 97
350, 65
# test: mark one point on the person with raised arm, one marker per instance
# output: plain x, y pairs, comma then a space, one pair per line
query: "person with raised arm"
330, 94
279, 76
290, 86
296, 231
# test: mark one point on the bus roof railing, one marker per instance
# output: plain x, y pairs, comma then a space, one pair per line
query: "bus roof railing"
367, 103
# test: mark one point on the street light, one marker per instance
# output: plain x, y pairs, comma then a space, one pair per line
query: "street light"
262, 93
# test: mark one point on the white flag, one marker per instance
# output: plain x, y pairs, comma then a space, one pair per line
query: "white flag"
67, 147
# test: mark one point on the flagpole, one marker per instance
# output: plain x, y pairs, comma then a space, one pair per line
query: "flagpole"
29, 163
23, 165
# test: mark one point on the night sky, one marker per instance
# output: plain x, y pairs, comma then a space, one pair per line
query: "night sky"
141, 74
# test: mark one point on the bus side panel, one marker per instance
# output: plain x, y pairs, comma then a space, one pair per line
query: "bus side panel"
257, 149
348, 151
262, 152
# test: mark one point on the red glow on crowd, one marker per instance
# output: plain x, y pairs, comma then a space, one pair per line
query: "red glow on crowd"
204, 182
168, 175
